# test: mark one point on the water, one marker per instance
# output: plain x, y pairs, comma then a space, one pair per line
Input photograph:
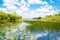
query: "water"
19, 32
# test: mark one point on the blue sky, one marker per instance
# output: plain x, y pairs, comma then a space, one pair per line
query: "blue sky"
31, 8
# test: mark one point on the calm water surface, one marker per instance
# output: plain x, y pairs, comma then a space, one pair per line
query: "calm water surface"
19, 32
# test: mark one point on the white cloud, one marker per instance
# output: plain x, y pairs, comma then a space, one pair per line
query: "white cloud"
34, 1
10, 4
40, 35
50, 7
24, 9
12, 7
23, 2
44, 3
30, 14
46, 10
43, 9
3, 9
58, 38
10, 1
37, 2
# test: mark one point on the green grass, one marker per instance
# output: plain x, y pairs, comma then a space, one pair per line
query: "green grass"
43, 25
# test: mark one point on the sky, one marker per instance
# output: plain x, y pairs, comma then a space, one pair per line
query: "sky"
31, 8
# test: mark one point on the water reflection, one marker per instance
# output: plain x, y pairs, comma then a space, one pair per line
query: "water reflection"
14, 33
40, 35
19, 32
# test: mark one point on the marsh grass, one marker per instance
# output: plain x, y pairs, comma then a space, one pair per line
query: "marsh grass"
43, 25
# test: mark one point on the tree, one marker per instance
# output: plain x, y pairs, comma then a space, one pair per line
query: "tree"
9, 17
58, 14
48, 16
37, 18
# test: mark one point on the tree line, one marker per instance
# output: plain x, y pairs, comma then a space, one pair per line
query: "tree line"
9, 17
55, 17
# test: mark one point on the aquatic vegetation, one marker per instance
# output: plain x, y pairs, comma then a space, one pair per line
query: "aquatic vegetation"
12, 28
43, 25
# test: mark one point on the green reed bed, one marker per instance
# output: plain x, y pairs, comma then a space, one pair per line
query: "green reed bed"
43, 25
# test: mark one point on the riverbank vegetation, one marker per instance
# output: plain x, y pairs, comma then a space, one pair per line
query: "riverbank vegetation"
49, 22
52, 18
9, 17
43, 25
